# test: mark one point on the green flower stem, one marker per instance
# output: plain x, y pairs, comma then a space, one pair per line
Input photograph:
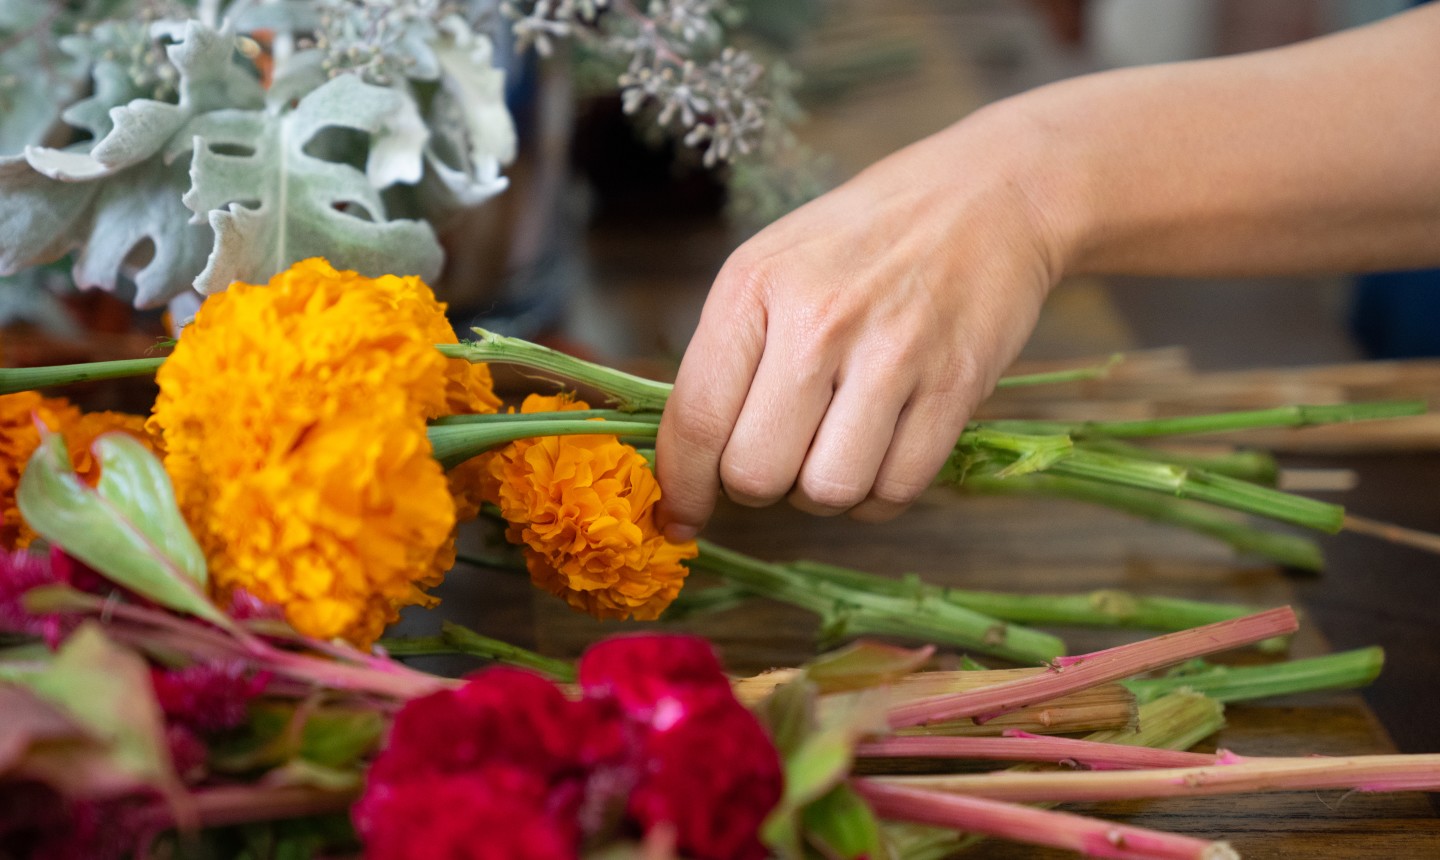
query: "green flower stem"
1255, 466
1283, 416
1287, 549
984, 449
571, 415
457, 639
1103, 608
13, 379
1056, 377
629, 392
1204, 487
453, 444
855, 612
1343, 671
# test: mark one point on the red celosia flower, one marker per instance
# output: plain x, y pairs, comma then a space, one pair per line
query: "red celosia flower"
646, 672
492, 815
713, 775
39, 823
706, 765
657, 739
22, 570
207, 697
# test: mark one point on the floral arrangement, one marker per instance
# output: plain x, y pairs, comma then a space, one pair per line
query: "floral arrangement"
193, 605
165, 147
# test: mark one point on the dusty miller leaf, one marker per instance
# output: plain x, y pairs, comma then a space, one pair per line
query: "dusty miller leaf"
209, 80
36, 78
122, 194
297, 197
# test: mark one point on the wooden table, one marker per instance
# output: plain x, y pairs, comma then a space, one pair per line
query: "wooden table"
1030, 545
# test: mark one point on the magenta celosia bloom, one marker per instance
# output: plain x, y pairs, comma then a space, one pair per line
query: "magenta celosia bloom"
656, 739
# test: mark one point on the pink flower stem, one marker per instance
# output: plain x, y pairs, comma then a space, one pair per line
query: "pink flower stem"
1089, 836
1024, 746
395, 681
220, 807
1068, 674
1230, 774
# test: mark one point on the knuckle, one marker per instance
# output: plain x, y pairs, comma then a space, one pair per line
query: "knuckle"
829, 493
753, 485
699, 429
897, 492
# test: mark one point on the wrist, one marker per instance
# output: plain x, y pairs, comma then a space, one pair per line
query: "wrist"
1040, 170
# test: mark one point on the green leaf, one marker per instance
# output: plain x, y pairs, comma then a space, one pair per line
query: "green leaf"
127, 527
106, 689
841, 825
274, 203
865, 664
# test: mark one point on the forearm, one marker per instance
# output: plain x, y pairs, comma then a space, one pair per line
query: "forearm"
1323, 156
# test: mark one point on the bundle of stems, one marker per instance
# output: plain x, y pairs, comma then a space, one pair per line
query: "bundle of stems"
1082, 455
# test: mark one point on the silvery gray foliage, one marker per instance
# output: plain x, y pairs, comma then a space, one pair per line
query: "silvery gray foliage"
196, 175
675, 64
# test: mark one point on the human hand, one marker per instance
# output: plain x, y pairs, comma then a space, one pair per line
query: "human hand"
842, 349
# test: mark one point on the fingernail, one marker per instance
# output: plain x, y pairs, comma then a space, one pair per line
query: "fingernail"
680, 533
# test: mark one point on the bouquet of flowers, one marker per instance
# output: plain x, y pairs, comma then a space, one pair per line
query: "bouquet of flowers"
192, 602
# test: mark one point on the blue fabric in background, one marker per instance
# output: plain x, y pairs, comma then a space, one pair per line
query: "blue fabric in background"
1397, 314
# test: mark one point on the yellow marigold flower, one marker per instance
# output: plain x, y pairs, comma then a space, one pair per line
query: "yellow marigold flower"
584, 509
294, 418
19, 437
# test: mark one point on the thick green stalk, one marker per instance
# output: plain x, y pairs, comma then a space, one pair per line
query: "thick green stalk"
1282, 416
1103, 608
629, 392
1287, 549
13, 379
453, 444
853, 612
1343, 671
457, 639
1258, 467
990, 452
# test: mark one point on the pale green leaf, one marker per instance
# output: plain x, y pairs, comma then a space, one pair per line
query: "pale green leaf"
40, 219
209, 79
127, 527
272, 203
842, 825
106, 689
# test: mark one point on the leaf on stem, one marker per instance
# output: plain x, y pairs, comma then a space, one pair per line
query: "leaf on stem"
105, 688
128, 527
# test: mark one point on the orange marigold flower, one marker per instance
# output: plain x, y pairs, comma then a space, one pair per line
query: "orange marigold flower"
584, 509
294, 418
19, 437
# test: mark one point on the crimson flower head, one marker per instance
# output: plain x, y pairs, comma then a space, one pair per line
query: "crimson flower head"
706, 766
507, 767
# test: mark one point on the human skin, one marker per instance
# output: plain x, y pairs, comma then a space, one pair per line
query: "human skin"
842, 349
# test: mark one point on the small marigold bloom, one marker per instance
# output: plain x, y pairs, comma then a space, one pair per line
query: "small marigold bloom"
294, 421
20, 436
584, 509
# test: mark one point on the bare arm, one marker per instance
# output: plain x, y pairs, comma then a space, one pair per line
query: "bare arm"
843, 348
